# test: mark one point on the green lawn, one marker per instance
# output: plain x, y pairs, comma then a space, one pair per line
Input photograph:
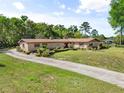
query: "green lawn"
18, 76
112, 58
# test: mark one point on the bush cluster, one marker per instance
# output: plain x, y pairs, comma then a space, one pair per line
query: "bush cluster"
61, 49
45, 52
106, 46
120, 46
18, 48
92, 47
101, 46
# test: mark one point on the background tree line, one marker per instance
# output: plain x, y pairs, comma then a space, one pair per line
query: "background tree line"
13, 29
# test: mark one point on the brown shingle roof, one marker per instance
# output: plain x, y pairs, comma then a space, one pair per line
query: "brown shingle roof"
57, 40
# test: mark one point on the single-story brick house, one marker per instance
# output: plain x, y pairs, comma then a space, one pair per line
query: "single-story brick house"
32, 44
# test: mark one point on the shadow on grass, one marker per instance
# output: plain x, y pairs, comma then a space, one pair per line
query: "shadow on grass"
1, 65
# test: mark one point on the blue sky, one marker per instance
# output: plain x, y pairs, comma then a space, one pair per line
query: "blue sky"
66, 12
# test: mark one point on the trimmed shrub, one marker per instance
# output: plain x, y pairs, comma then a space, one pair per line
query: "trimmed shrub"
105, 46
38, 55
43, 51
44, 46
27, 52
46, 53
100, 46
120, 46
61, 49
18, 48
40, 51
52, 52
75, 48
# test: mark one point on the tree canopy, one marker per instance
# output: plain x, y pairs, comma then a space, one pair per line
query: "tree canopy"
85, 27
13, 29
116, 18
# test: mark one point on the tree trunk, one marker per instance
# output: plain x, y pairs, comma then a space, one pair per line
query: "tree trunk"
85, 33
121, 36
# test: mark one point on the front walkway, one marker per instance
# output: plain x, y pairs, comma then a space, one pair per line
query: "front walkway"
95, 72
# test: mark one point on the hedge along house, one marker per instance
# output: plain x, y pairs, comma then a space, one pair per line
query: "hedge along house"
32, 44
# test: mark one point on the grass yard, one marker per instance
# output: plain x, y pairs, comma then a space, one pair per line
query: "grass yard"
112, 58
19, 76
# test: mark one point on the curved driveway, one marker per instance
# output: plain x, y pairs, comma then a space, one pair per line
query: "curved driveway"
94, 72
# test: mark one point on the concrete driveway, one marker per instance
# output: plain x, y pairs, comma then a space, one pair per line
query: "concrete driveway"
94, 72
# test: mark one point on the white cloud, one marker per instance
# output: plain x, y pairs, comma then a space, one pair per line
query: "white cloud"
100, 24
93, 5
78, 11
58, 13
69, 8
19, 5
62, 6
